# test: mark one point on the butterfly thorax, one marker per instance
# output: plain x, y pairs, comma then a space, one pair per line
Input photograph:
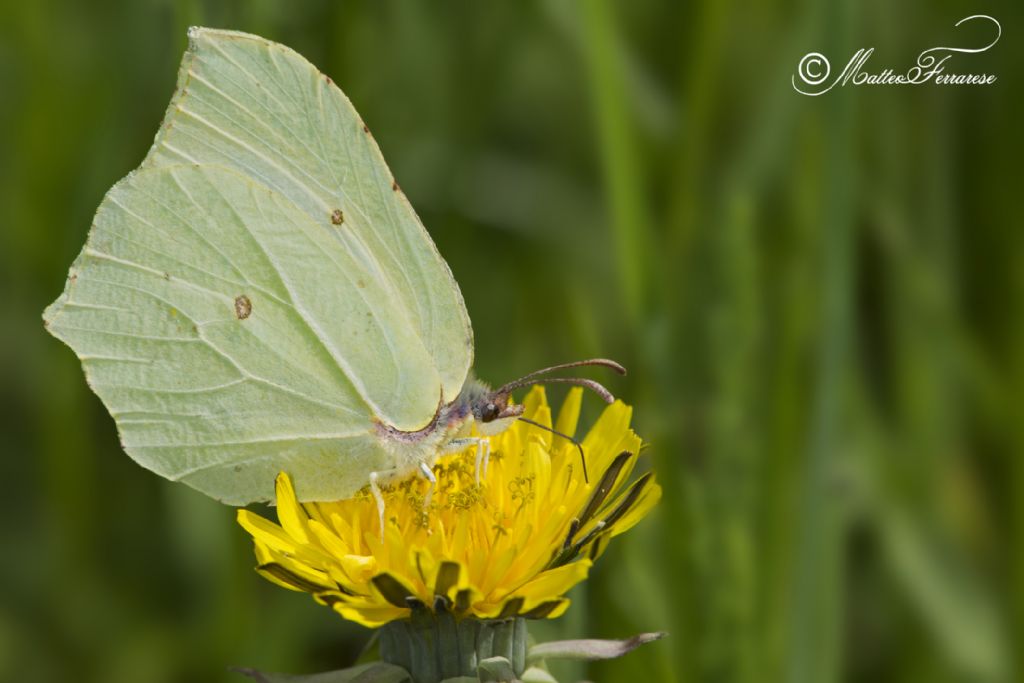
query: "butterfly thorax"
477, 404
491, 410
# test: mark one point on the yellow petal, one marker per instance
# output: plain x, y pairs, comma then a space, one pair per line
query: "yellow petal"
560, 610
554, 582
371, 617
265, 531
569, 414
535, 400
289, 511
360, 568
648, 500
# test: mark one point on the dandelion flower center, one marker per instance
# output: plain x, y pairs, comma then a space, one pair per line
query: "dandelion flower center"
510, 545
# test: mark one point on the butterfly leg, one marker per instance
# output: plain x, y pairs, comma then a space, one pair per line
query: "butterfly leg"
483, 456
487, 456
479, 458
429, 474
375, 490
483, 450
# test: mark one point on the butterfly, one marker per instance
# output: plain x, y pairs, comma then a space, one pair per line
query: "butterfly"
259, 295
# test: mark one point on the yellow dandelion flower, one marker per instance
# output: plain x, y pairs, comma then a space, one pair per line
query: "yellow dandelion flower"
509, 546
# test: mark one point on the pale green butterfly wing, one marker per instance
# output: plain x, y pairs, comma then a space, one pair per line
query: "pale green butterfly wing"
259, 306
261, 108
218, 324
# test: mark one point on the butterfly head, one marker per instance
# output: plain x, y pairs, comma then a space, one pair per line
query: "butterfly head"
494, 412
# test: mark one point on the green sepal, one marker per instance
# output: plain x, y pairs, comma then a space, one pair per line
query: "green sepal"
537, 675
589, 650
496, 670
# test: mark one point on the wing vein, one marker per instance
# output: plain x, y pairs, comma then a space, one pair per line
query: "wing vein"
228, 357
102, 256
241, 143
187, 223
301, 312
196, 390
130, 335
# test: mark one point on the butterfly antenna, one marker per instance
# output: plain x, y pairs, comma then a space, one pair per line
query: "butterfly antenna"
600, 362
536, 378
605, 395
577, 444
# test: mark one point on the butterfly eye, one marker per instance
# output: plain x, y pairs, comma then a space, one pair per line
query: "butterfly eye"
490, 412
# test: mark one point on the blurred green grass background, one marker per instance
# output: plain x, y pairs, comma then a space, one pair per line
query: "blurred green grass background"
819, 299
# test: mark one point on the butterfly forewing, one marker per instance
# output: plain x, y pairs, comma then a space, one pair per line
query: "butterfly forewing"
260, 292
262, 109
